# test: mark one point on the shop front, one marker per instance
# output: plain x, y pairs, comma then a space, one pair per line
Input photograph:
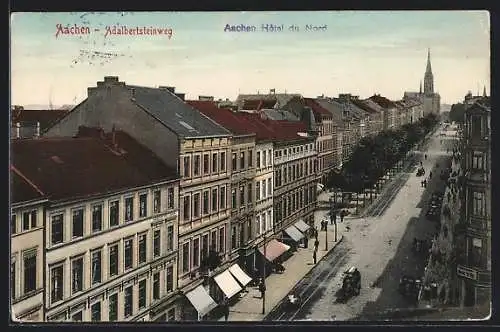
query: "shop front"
202, 302
247, 259
272, 256
294, 237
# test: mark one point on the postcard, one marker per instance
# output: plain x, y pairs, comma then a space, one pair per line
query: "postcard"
250, 166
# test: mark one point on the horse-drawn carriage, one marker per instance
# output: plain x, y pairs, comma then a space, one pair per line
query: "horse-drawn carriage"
351, 284
420, 171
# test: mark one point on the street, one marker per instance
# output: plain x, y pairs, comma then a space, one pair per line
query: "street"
379, 244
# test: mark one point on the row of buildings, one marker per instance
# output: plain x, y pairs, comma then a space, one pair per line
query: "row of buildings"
140, 205
460, 263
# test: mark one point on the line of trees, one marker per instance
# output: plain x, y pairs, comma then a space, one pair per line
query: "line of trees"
374, 156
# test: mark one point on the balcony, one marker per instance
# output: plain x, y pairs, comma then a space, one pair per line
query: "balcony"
482, 277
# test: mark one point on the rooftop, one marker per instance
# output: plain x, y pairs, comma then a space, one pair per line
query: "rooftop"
46, 118
93, 163
382, 101
318, 110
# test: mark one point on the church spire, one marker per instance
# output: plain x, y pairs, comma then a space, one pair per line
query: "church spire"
484, 91
420, 87
428, 77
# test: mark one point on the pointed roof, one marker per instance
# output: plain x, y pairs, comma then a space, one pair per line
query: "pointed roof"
428, 70
420, 86
484, 91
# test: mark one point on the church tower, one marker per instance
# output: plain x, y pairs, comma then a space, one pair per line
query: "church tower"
428, 77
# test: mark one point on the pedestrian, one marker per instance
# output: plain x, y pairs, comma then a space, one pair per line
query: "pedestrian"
225, 308
425, 183
425, 156
262, 288
430, 175
314, 256
342, 214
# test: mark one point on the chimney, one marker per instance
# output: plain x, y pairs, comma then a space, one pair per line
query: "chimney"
111, 79
18, 130
206, 98
37, 129
182, 96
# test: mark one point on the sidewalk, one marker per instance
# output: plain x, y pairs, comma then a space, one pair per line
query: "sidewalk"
249, 307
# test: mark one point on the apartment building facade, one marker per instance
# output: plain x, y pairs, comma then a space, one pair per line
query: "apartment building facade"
26, 249
390, 111
110, 236
184, 139
474, 258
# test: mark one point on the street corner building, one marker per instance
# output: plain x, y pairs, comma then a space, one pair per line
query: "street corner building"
94, 229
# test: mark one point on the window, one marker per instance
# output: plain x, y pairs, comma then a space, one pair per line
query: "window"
270, 160
13, 280
33, 219
156, 201
264, 163
234, 234
142, 293
113, 213
213, 240
206, 202
142, 248
257, 191
242, 160
96, 312
170, 238
171, 201
477, 161
233, 198
478, 204
187, 166
113, 307
157, 243
206, 164
128, 259
223, 161
77, 223
143, 205
233, 162
214, 163
77, 275
56, 283
242, 195
196, 252
185, 257
285, 178
204, 245
257, 162
222, 201
187, 208
249, 193
250, 157
476, 252
264, 191
258, 225
214, 200
77, 317
96, 218
13, 224
222, 239
26, 221
263, 222
196, 165
269, 187
170, 279
129, 298
29, 258
171, 314
113, 260
156, 286
96, 267
196, 205
129, 208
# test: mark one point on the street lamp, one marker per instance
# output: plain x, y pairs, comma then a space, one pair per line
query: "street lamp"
334, 221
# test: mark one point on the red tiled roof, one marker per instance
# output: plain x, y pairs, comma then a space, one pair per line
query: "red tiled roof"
382, 101
22, 190
45, 117
241, 123
317, 109
87, 165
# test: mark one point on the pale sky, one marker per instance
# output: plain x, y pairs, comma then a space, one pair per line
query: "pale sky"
360, 53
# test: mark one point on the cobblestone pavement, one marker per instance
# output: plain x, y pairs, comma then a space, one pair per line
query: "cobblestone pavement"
380, 247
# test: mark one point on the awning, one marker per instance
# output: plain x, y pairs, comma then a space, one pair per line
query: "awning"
302, 226
201, 300
240, 275
274, 249
227, 284
294, 233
